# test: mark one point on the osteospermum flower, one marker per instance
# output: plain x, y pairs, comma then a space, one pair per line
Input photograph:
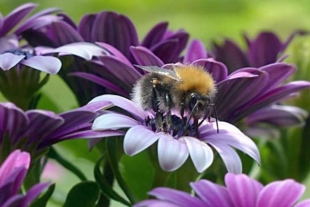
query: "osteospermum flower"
265, 49
36, 130
240, 191
12, 174
12, 26
116, 38
173, 146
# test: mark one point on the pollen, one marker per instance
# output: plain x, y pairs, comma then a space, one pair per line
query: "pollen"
195, 79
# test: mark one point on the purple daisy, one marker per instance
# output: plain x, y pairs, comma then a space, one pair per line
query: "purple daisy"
12, 174
240, 191
36, 130
174, 147
12, 26
116, 38
265, 49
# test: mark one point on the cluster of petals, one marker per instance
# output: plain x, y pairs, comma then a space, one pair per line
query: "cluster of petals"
12, 174
173, 151
240, 191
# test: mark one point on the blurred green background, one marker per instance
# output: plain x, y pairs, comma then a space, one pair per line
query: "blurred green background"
207, 20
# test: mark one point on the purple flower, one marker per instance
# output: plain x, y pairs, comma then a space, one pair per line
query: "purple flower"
12, 27
36, 130
173, 146
116, 38
240, 191
265, 49
12, 174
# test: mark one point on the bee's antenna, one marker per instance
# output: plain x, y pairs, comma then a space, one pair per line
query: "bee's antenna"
216, 119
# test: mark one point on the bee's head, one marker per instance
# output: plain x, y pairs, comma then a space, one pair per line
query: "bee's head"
198, 104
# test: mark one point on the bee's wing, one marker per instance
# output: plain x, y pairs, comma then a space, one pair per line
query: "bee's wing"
162, 71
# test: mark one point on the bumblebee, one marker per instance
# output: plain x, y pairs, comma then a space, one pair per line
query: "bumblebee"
186, 88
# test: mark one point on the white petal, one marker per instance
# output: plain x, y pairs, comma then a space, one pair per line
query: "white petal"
231, 135
138, 138
113, 121
200, 152
123, 103
230, 158
172, 153
9, 60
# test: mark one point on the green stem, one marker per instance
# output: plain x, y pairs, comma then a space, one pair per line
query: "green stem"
53, 154
112, 152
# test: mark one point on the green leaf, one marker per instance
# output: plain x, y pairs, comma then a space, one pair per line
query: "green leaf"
105, 186
42, 201
84, 194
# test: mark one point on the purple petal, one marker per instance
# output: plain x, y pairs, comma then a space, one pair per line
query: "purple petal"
182, 38
9, 60
180, 198
49, 65
43, 123
39, 19
266, 132
217, 69
305, 203
16, 16
85, 26
155, 35
113, 121
212, 194
8, 43
231, 55
234, 92
243, 190
17, 161
172, 153
115, 52
277, 72
229, 156
264, 49
13, 121
63, 33
144, 56
280, 193
166, 51
116, 30
100, 81
230, 135
34, 192
39, 23
274, 95
129, 74
195, 51
155, 203
200, 152
122, 103
138, 138
279, 115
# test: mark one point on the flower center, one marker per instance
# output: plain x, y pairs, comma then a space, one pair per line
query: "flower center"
27, 53
177, 127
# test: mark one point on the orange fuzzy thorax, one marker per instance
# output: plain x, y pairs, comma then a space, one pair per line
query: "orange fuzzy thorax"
195, 79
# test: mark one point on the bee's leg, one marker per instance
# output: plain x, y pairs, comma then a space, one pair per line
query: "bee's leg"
196, 127
208, 115
168, 115
159, 121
